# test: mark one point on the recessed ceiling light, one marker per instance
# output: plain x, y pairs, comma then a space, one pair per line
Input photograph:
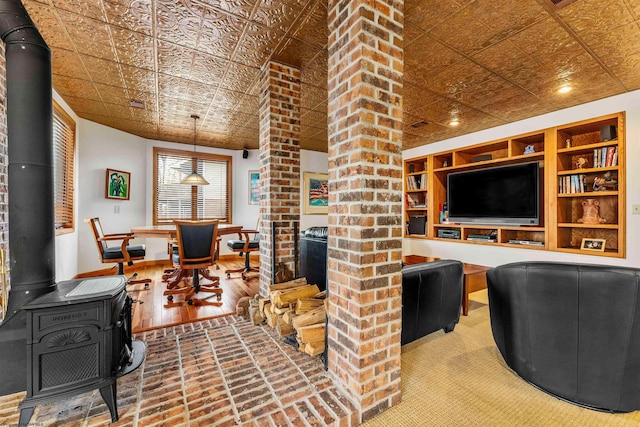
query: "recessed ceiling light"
454, 122
564, 89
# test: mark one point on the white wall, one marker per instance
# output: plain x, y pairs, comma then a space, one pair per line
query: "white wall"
492, 256
101, 147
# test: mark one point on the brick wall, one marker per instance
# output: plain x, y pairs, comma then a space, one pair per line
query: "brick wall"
365, 199
279, 167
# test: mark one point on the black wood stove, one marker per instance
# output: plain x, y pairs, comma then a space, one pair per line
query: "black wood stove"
78, 340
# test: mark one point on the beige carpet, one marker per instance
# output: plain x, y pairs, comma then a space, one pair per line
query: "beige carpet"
460, 379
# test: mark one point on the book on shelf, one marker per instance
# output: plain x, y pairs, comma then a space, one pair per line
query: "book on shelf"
576, 183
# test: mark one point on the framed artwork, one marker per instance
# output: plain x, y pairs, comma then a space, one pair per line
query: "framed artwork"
118, 184
315, 196
593, 244
254, 187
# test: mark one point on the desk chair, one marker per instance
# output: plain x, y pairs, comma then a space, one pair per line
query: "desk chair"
244, 246
118, 254
197, 242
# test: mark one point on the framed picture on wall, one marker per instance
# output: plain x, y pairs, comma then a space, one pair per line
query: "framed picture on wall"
315, 196
254, 187
118, 184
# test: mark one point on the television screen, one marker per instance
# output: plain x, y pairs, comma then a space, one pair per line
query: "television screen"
498, 195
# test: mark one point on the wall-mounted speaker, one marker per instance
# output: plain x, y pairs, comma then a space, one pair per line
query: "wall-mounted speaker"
245, 154
608, 133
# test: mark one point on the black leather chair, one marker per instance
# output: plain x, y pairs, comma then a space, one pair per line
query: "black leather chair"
197, 241
571, 330
431, 298
118, 254
248, 241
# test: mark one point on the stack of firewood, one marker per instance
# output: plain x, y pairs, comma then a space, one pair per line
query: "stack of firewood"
292, 308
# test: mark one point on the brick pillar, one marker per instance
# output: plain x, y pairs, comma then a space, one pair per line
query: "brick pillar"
365, 200
279, 167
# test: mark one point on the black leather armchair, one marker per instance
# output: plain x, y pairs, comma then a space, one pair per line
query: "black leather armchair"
571, 330
431, 298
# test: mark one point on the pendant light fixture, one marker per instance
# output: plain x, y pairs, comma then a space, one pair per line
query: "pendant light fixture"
195, 178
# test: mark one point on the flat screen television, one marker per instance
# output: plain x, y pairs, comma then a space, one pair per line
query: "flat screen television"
508, 195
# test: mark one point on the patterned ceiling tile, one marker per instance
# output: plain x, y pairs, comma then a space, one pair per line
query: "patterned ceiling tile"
175, 60
592, 19
49, 25
256, 45
91, 9
276, 15
240, 77
295, 52
425, 57
135, 15
208, 69
68, 63
487, 62
90, 36
241, 8
115, 95
139, 79
220, 33
74, 87
424, 14
311, 25
134, 48
544, 40
178, 22
102, 70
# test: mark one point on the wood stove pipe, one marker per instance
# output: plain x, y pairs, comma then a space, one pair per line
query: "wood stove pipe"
30, 183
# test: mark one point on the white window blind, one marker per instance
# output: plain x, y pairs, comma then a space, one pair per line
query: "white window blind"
64, 135
175, 201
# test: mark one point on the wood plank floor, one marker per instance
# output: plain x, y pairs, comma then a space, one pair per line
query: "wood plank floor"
156, 312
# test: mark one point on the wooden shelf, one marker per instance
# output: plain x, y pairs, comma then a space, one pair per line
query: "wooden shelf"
559, 229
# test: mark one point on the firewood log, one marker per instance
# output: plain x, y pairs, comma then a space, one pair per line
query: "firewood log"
305, 304
283, 328
286, 285
284, 298
288, 316
262, 302
311, 333
242, 307
317, 315
314, 348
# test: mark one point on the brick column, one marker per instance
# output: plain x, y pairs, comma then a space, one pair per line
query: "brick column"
365, 199
279, 167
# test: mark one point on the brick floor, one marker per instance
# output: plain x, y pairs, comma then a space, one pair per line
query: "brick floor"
220, 372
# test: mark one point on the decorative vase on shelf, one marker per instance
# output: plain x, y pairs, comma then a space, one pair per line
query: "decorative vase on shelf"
591, 212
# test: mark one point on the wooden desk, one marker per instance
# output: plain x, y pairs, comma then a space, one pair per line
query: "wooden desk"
475, 277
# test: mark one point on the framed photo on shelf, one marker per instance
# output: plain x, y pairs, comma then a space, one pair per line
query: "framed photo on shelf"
118, 184
254, 187
593, 244
315, 196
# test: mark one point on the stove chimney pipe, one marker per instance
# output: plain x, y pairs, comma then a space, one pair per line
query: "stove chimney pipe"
30, 178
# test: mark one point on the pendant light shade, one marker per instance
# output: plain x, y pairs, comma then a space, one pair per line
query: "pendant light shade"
195, 178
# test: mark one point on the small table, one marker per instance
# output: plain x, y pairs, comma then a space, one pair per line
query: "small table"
168, 231
475, 277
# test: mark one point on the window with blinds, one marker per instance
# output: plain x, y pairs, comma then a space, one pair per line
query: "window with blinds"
175, 201
64, 137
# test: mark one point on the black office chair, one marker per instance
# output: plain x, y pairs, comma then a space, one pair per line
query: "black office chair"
244, 245
197, 243
118, 254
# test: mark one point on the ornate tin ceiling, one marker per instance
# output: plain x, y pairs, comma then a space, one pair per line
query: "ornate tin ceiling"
484, 62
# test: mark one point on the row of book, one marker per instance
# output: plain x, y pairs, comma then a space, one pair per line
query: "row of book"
605, 157
572, 184
417, 182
